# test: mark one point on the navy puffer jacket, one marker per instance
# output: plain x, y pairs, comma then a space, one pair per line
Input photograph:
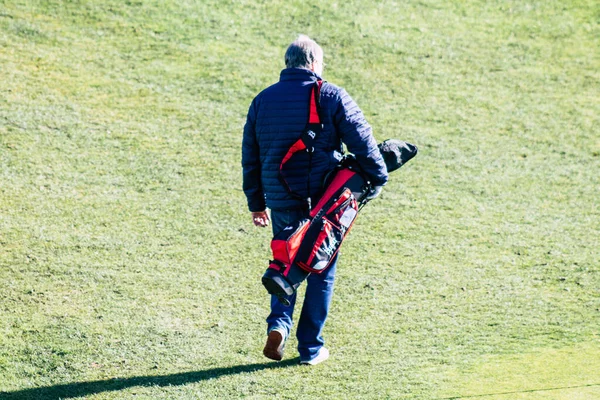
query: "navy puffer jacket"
276, 119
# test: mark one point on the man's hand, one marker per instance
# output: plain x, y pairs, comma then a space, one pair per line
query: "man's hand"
260, 218
375, 192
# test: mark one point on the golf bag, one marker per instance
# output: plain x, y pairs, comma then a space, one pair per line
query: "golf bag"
311, 244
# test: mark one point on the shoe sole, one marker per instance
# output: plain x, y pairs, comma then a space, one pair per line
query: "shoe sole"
274, 347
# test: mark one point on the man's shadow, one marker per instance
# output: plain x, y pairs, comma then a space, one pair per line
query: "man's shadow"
79, 389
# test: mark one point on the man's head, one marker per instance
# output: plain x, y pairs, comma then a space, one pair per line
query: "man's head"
305, 53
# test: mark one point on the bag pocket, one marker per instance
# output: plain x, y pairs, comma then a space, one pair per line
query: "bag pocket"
326, 234
286, 243
344, 211
317, 254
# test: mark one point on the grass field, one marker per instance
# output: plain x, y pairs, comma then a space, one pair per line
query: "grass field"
129, 267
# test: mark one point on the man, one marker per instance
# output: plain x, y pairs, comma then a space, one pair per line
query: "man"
276, 119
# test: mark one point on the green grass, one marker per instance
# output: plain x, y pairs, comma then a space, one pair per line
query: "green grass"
128, 263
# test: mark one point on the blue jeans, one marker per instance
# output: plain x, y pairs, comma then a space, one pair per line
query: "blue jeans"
319, 289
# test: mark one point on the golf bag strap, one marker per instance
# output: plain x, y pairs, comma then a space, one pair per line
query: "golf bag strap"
314, 116
306, 141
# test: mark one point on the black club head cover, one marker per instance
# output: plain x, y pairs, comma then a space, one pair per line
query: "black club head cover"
396, 153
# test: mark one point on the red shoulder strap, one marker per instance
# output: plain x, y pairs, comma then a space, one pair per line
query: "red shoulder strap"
305, 142
315, 94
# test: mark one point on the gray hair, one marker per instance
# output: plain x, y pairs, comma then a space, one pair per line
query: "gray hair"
302, 53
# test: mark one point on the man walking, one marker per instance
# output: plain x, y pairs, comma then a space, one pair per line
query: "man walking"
276, 119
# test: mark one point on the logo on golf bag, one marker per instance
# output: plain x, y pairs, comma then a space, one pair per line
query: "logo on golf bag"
330, 248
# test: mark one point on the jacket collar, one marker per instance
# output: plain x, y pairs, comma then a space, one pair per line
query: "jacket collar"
298, 74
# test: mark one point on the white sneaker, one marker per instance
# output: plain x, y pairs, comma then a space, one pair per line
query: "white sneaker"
322, 355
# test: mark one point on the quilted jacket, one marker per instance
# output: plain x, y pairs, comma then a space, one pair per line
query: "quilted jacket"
276, 119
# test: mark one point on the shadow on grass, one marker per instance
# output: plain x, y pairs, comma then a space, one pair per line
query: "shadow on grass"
79, 389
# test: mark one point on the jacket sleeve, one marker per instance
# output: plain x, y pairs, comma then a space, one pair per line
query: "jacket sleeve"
251, 167
357, 135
